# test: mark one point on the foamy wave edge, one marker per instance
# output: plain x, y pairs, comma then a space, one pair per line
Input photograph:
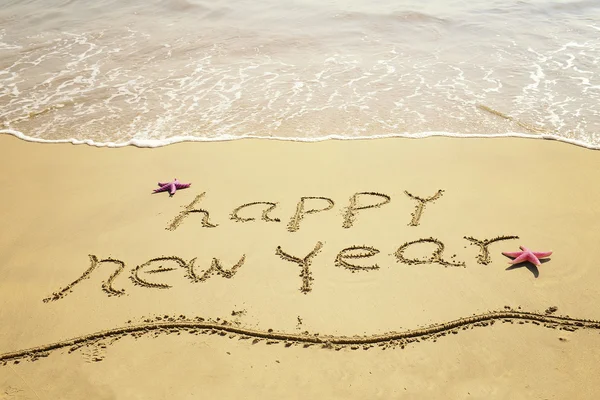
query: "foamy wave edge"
153, 143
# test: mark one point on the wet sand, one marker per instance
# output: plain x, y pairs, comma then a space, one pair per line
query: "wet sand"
356, 269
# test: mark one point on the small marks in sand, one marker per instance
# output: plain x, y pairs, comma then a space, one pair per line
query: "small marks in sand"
551, 310
10, 392
356, 205
294, 223
94, 352
265, 214
304, 264
106, 285
420, 207
484, 254
189, 209
436, 257
177, 325
353, 253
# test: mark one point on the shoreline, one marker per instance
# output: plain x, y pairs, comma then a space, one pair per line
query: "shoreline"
156, 143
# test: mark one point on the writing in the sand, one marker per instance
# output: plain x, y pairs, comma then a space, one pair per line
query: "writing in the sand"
307, 205
353, 258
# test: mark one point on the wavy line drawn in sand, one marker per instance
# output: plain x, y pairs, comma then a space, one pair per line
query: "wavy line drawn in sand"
436, 257
294, 223
353, 253
420, 207
304, 264
106, 285
528, 127
353, 207
265, 214
484, 254
200, 326
187, 211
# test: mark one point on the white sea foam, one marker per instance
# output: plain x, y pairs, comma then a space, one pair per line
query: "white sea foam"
153, 143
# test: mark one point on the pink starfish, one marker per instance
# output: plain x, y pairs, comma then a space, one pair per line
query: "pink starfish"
171, 186
527, 255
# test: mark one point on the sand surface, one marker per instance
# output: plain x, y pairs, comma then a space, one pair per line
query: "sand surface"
338, 289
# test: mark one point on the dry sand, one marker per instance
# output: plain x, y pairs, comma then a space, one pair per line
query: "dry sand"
189, 305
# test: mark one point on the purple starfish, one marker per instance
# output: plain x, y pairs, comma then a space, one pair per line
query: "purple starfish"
171, 186
527, 255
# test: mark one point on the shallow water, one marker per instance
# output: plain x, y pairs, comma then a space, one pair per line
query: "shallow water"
158, 71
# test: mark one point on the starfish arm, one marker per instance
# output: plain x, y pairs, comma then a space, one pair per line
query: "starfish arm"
163, 183
172, 189
542, 254
533, 259
161, 189
514, 254
522, 258
180, 185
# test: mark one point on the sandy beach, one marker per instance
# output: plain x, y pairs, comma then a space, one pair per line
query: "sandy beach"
299, 270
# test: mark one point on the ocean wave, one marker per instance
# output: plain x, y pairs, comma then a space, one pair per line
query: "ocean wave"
309, 73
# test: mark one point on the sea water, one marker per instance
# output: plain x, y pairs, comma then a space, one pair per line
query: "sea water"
153, 72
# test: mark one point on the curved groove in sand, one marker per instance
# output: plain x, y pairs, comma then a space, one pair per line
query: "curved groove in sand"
223, 328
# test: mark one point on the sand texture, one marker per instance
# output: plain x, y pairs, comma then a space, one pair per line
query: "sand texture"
334, 270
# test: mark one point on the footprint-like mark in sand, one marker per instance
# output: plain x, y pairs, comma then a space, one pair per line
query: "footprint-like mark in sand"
224, 328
